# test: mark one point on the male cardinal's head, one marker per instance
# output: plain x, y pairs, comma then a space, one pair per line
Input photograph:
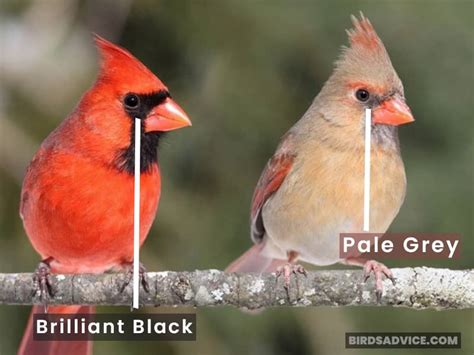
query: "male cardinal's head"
125, 89
364, 78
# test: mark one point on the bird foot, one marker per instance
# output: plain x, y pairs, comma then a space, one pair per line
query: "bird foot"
142, 275
378, 269
42, 285
287, 270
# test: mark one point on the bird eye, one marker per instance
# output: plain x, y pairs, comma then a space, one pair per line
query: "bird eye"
362, 95
131, 101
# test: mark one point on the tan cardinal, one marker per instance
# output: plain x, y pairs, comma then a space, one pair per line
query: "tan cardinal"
312, 188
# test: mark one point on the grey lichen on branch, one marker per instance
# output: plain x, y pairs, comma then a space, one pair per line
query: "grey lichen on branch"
418, 288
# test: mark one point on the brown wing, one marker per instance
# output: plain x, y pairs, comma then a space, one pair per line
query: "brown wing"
270, 181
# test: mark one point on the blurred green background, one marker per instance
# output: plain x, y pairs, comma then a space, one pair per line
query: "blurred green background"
245, 71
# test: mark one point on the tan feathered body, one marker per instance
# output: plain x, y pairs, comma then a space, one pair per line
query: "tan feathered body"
312, 189
322, 194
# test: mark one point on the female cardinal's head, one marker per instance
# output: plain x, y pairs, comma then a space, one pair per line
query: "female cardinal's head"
125, 89
364, 78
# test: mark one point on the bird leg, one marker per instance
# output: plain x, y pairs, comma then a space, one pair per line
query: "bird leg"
290, 268
42, 283
378, 269
142, 275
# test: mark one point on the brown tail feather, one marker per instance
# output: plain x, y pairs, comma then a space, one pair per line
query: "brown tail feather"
29, 346
253, 261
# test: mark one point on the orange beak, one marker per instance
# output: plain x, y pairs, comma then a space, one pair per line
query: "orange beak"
167, 116
393, 112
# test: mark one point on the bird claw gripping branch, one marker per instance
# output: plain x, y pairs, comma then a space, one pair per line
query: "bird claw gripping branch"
42, 286
287, 270
378, 269
142, 275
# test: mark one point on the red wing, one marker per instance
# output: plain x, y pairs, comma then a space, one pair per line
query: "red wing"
270, 181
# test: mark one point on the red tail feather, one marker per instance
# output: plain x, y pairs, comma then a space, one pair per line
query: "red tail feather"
29, 346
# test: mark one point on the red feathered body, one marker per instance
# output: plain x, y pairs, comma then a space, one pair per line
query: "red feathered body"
78, 209
77, 198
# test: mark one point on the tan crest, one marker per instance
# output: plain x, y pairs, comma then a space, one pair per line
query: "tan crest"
363, 34
366, 59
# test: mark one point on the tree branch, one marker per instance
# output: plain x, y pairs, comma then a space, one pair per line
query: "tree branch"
417, 288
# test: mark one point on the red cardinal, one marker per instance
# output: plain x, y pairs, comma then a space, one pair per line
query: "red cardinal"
77, 196
312, 188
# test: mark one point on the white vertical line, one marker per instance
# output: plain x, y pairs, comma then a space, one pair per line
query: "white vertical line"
368, 126
136, 217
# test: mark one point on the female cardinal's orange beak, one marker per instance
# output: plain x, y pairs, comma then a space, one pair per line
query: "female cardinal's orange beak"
393, 112
167, 116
